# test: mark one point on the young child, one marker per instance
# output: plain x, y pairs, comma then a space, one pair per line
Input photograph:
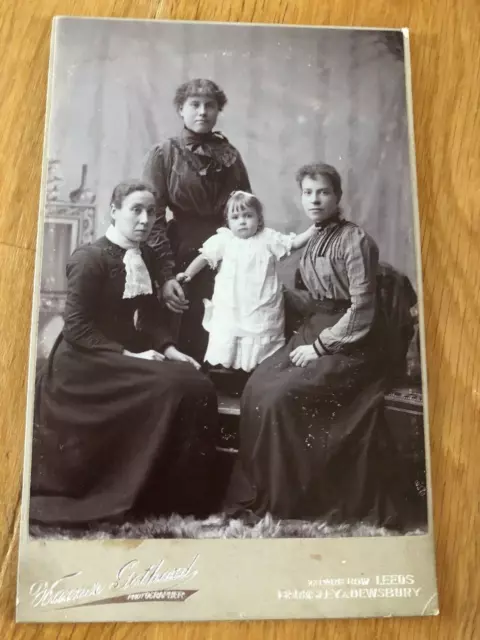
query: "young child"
245, 317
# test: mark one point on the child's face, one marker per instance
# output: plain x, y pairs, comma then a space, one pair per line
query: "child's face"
243, 224
135, 218
318, 199
199, 113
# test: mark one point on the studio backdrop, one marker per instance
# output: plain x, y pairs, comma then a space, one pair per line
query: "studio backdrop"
294, 96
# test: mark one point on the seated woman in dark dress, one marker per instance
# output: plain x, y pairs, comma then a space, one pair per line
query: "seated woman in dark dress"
124, 421
313, 443
194, 174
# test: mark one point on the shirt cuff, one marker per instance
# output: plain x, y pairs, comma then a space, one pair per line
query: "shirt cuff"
161, 346
320, 348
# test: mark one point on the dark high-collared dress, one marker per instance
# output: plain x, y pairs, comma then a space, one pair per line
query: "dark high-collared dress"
115, 435
313, 441
193, 174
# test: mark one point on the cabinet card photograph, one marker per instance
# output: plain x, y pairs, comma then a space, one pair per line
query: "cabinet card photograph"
227, 398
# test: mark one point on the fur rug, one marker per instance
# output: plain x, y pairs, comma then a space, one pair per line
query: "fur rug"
217, 526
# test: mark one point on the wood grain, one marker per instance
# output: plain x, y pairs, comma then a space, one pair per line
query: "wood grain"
446, 83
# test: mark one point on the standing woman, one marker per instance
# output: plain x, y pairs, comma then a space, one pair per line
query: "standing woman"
193, 173
123, 419
313, 442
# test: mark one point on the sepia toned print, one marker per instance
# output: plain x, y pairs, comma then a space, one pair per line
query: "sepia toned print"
227, 327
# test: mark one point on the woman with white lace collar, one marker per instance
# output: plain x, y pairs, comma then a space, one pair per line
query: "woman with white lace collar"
124, 420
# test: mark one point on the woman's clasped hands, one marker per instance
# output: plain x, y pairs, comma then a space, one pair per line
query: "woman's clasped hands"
170, 353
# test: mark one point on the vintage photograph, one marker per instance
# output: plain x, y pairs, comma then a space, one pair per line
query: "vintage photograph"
229, 325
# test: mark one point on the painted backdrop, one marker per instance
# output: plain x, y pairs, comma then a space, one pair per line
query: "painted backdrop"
294, 96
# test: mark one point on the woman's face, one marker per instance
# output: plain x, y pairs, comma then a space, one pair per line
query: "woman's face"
318, 199
199, 113
243, 224
135, 218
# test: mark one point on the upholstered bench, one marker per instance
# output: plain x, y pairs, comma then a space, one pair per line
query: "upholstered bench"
403, 406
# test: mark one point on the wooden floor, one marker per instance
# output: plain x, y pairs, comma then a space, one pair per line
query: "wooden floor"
445, 45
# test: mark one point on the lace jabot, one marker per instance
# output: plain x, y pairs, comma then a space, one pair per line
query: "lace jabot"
137, 278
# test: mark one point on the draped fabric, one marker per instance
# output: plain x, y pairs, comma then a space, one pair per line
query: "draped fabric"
294, 96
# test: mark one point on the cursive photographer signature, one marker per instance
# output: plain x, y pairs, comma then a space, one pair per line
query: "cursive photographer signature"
130, 576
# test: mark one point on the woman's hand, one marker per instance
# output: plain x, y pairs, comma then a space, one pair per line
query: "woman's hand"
172, 353
301, 356
174, 296
151, 354
183, 277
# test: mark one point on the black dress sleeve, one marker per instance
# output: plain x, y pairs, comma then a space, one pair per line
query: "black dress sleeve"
154, 325
243, 179
154, 172
86, 272
154, 322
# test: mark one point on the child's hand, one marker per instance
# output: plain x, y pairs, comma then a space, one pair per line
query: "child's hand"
182, 277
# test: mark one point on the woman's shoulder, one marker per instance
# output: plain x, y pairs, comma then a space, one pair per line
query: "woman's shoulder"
169, 143
224, 143
354, 235
163, 150
221, 138
92, 254
164, 146
89, 250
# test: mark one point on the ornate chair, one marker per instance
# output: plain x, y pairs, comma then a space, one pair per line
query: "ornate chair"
67, 224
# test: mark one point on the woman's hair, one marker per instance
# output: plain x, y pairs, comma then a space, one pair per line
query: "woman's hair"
321, 169
240, 201
199, 87
125, 188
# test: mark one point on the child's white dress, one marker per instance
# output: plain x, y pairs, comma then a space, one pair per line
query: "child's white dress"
245, 317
